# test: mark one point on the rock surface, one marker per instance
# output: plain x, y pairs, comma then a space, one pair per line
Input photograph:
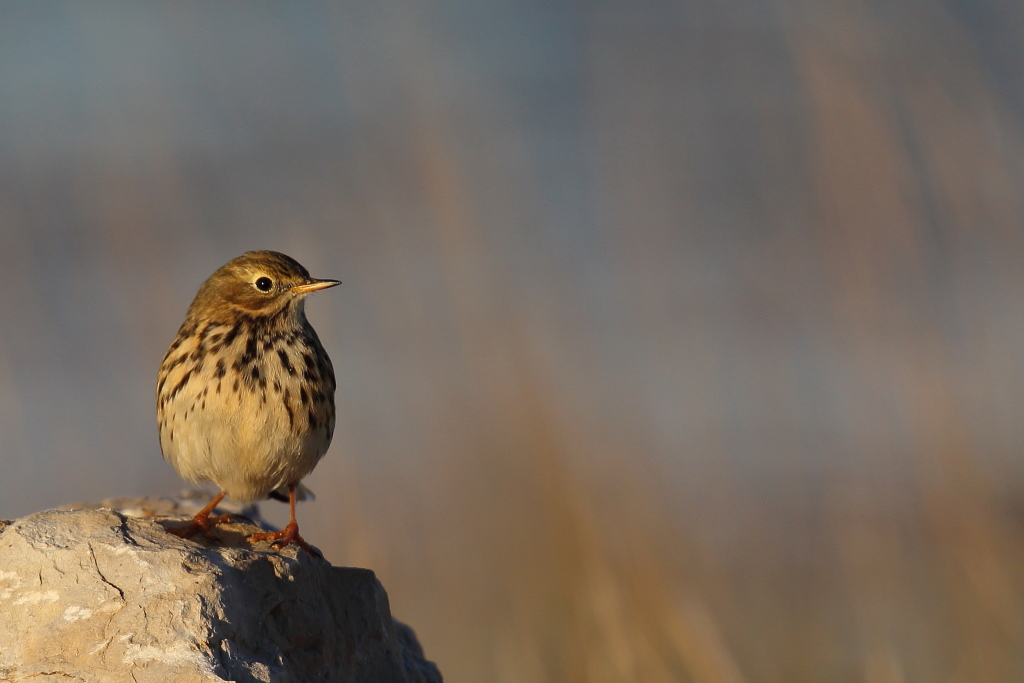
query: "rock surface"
97, 595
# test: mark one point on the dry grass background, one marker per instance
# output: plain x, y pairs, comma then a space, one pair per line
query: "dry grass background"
678, 342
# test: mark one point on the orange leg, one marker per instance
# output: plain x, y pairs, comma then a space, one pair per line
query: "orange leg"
203, 521
289, 534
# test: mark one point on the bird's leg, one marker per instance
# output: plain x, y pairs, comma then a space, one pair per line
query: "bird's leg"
203, 521
289, 534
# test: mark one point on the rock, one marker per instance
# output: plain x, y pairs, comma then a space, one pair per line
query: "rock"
97, 595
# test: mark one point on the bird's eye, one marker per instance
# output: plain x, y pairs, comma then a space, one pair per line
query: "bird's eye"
264, 284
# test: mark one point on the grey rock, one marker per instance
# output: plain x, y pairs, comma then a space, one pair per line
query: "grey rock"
97, 595
185, 504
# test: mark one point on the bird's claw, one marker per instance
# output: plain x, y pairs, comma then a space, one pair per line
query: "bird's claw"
279, 539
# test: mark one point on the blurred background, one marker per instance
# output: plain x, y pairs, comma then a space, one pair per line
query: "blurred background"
678, 341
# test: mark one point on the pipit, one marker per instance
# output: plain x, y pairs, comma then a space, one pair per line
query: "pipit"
245, 393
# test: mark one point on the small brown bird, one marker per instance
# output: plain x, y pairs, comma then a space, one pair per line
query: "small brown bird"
245, 393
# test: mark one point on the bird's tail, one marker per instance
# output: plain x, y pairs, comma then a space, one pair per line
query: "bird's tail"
301, 493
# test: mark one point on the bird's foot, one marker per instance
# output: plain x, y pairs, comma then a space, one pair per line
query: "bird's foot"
203, 525
185, 531
279, 539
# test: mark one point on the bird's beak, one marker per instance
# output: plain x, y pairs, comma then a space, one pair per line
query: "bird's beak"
312, 285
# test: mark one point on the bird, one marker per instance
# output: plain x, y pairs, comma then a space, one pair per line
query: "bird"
245, 392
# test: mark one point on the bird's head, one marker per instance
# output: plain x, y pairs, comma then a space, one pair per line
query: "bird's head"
257, 283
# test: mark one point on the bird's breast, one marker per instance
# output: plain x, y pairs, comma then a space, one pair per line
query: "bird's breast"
246, 405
